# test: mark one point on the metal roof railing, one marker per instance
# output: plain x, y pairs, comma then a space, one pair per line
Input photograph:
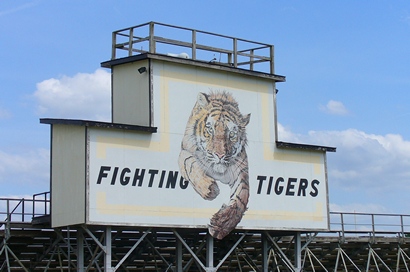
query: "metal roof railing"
158, 38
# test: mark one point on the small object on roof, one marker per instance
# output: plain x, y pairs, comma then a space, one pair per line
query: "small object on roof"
181, 55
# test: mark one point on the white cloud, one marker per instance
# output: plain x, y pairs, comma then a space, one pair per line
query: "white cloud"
26, 168
83, 96
366, 171
335, 108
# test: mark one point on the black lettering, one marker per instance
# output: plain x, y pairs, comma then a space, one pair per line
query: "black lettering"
278, 187
161, 182
270, 185
123, 179
302, 187
139, 177
291, 186
114, 176
261, 179
102, 173
183, 183
172, 179
152, 172
314, 191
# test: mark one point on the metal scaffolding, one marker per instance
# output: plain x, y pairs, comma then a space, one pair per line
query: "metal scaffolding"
355, 242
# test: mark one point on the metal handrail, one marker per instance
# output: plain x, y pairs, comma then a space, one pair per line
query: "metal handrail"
23, 210
370, 223
252, 53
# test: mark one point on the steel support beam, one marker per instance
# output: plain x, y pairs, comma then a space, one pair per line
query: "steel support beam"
178, 256
80, 250
108, 250
265, 261
298, 252
209, 252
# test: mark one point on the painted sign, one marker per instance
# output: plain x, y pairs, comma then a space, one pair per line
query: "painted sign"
213, 162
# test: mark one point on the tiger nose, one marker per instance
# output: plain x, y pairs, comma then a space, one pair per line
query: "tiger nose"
219, 155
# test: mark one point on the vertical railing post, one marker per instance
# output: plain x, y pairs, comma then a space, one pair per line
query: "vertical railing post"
130, 42
22, 210
45, 203
373, 227
34, 204
235, 52
113, 45
8, 210
193, 44
402, 226
230, 58
251, 59
151, 38
7, 228
272, 60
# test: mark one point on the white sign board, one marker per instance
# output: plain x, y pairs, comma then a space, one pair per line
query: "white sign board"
216, 130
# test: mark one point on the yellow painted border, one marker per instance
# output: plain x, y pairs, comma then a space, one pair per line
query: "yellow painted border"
103, 207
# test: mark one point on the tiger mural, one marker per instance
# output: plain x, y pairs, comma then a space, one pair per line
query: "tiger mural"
213, 149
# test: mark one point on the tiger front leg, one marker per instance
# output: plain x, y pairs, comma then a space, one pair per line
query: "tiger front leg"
192, 171
228, 216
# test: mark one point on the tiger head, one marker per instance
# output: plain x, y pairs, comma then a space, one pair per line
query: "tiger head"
221, 134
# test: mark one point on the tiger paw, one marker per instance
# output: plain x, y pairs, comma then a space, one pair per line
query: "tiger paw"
213, 191
225, 220
205, 186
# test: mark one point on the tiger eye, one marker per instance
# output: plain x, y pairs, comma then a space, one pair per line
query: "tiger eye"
232, 135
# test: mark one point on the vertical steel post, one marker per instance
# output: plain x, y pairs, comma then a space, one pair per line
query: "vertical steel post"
209, 251
298, 252
265, 255
179, 256
80, 250
107, 255
68, 249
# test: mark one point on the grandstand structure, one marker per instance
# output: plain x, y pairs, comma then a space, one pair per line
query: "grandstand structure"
128, 195
355, 242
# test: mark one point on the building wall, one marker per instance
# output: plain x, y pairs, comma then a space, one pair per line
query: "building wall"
68, 175
131, 98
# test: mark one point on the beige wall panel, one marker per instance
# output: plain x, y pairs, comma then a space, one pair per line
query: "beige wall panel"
68, 175
130, 97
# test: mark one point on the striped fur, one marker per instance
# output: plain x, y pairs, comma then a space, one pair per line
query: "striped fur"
213, 150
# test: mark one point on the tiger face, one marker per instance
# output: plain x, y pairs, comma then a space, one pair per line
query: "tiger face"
222, 139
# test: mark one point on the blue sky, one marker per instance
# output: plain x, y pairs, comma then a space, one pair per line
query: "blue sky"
347, 65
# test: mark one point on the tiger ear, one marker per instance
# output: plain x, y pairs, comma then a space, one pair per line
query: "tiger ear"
202, 100
246, 119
